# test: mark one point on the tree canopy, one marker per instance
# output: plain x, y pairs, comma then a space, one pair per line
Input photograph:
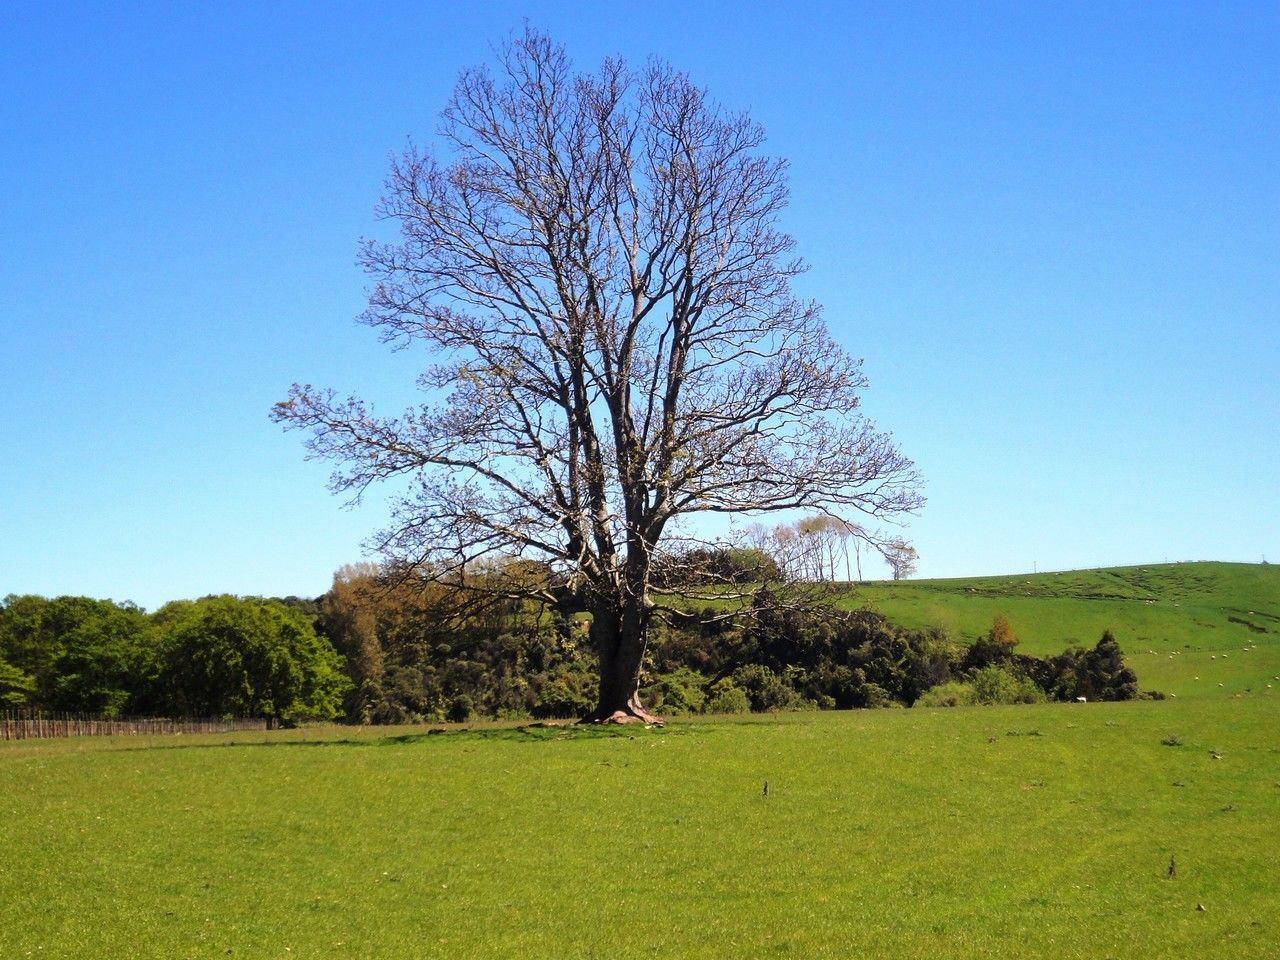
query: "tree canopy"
75, 654
215, 657
232, 656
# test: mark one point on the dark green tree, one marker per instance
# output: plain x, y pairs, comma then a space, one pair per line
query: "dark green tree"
245, 656
80, 654
1105, 675
16, 688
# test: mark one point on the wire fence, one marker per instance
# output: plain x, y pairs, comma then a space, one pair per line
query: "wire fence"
37, 725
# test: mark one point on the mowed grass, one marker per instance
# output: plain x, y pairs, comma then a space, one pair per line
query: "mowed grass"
1218, 622
1042, 831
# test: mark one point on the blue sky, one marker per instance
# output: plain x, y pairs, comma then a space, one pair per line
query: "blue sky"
1050, 230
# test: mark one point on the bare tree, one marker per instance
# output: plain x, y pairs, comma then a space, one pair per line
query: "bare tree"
829, 536
901, 557
599, 275
810, 548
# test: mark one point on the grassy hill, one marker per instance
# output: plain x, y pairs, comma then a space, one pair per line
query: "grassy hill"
1219, 622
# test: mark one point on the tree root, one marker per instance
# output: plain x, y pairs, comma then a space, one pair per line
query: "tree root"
631, 714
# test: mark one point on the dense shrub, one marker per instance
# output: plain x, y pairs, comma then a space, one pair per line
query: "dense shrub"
950, 694
416, 652
1097, 674
765, 690
877, 697
832, 658
727, 697
566, 695
681, 691
1001, 685
460, 709
703, 566
996, 647
400, 695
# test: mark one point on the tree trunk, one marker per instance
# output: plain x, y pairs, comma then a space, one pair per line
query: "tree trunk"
619, 636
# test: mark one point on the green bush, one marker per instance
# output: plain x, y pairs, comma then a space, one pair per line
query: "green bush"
1097, 674
1109, 677
567, 694
680, 691
1001, 685
765, 690
727, 697
951, 694
460, 709
876, 696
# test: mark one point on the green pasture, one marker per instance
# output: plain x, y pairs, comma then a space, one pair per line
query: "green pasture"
1041, 831
1029, 831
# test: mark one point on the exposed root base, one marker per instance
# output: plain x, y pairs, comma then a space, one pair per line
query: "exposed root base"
625, 716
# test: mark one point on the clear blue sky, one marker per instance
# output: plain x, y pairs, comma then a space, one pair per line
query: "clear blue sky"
1051, 230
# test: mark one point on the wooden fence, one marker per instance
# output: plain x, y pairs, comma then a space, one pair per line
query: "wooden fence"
32, 725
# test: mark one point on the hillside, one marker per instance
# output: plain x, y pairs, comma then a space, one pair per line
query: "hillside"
1219, 622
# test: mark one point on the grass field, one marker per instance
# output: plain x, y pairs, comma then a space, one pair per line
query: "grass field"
1041, 831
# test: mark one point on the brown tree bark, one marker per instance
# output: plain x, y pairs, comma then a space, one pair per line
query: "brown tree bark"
620, 634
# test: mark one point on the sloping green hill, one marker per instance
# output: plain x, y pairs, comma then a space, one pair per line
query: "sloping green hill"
1218, 622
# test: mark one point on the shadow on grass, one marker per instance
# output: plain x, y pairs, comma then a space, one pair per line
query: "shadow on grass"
524, 733
534, 732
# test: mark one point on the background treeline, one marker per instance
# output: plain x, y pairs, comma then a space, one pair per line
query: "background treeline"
414, 653
784, 657
386, 648
215, 657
